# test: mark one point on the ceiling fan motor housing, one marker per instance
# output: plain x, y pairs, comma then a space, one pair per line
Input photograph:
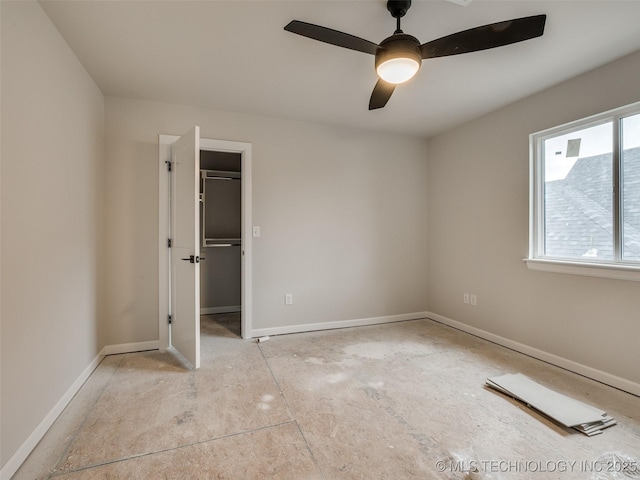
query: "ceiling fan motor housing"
399, 45
398, 8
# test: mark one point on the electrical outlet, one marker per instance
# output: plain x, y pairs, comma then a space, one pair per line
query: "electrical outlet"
466, 298
474, 300
288, 298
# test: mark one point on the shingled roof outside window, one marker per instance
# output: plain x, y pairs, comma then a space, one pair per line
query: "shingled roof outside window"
579, 210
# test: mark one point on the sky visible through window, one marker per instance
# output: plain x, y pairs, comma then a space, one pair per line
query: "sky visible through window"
596, 140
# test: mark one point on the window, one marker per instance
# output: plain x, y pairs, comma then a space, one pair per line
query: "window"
585, 196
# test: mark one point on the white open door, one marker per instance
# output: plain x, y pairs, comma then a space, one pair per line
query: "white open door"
185, 246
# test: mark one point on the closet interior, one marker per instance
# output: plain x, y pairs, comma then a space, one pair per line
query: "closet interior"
220, 227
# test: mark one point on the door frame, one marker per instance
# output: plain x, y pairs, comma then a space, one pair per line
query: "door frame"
164, 231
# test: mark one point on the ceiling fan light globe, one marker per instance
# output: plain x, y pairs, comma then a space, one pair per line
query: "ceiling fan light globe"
399, 58
397, 70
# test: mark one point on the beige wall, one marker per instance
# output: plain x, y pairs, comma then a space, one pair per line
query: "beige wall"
478, 222
52, 156
342, 213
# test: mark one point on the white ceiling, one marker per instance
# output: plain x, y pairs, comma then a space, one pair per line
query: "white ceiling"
235, 55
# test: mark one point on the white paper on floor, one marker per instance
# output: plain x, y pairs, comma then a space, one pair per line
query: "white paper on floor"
565, 410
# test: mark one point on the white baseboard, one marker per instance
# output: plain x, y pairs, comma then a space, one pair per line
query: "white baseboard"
131, 347
589, 372
214, 310
311, 327
13, 464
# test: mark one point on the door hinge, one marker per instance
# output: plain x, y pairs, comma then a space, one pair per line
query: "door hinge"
168, 243
169, 318
168, 162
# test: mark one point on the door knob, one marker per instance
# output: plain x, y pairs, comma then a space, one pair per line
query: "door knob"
192, 259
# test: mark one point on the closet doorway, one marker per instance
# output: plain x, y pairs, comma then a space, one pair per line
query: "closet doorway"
220, 232
219, 278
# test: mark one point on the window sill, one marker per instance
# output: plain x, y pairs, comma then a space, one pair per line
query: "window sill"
616, 272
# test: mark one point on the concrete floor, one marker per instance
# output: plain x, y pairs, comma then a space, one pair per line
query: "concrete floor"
396, 401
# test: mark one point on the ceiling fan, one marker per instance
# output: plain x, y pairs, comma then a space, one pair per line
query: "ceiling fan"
399, 57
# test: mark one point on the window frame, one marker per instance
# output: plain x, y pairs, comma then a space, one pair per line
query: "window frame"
617, 268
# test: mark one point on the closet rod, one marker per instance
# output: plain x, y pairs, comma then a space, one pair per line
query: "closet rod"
221, 178
220, 175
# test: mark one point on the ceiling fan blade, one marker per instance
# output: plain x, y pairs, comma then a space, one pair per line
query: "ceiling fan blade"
381, 94
332, 37
485, 37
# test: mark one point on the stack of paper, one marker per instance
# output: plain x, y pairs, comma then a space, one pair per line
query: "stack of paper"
564, 410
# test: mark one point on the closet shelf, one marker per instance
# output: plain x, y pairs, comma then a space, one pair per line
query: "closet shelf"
220, 175
222, 242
